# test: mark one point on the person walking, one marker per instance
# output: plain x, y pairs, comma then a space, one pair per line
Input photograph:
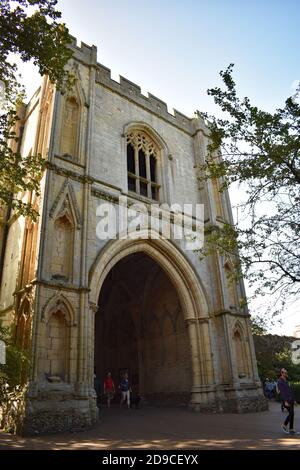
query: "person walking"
287, 397
125, 389
109, 389
278, 396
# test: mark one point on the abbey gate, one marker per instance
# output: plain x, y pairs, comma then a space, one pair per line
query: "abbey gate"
85, 305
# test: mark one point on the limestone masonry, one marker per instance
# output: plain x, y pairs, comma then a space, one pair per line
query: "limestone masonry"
85, 306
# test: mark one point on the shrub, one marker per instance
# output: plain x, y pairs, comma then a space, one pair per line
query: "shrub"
296, 389
13, 384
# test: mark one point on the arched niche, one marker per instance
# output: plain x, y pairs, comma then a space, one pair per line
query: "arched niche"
241, 352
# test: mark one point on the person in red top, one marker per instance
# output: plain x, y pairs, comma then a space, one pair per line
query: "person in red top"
109, 388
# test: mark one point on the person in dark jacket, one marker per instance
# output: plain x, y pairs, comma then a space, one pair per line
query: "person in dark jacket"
287, 397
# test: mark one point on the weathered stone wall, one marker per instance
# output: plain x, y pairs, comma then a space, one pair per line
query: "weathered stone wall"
16, 226
190, 352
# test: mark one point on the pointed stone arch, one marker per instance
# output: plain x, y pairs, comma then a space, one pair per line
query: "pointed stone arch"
66, 196
191, 295
238, 328
77, 87
58, 302
144, 127
66, 218
57, 341
74, 104
157, 152
241, 350
167, 255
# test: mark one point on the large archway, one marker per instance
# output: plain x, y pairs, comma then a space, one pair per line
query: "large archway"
190, 293
139, 328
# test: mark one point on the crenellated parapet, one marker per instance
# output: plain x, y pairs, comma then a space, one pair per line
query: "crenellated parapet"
84, 53
124, 87
151, 103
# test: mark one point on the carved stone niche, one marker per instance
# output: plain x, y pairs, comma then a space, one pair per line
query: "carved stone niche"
73, 120
70, 129
57, 320
63, 245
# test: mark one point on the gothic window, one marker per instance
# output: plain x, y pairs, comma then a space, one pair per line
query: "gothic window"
69, 140
142, 154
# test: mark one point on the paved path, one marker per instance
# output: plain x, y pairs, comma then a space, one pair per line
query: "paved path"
170, 428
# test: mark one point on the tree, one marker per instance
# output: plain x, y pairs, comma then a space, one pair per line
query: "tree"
30, 30
32, 35
13, 383
260, 151
274, 352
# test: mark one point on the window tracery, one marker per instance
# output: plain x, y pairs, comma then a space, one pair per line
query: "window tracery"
142, 156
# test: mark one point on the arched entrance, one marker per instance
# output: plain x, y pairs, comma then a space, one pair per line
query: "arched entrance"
140, 329
192, 312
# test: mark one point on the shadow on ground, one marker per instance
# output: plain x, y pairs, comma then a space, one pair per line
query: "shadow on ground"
168, 428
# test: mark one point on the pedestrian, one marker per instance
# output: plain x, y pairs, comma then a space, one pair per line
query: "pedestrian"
287, 397
125, 389
270, 389
109, 388
279, 398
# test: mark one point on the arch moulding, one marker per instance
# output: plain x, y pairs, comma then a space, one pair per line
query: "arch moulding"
168, 257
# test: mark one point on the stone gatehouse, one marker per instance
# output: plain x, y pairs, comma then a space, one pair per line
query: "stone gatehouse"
83, 305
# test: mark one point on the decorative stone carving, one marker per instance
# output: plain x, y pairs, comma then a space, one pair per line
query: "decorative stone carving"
58, 302
74, 106
66, 194
24, 320
141, 140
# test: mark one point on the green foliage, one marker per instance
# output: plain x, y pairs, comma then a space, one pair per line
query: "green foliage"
13, 383
272, 354
16, 369
32, 35
36, 36
296, 389
258, 326
260, 151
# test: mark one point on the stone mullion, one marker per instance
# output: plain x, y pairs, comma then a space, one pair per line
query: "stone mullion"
148, 175
137, 169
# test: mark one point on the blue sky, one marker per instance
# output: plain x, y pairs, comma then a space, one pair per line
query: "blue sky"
176, 49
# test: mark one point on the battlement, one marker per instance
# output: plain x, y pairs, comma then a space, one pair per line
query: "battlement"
124, 87
84, 53
150, 102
